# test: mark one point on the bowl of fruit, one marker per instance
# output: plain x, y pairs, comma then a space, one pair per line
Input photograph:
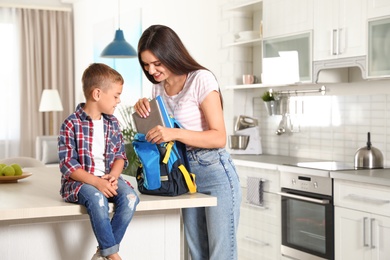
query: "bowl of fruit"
12, 173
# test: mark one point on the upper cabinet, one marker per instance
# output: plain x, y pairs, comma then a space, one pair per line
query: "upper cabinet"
378, 48
378, 8
283, 17
339, 29
244, 40
289, 56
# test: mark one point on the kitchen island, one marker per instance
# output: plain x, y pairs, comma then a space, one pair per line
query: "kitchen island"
35, 223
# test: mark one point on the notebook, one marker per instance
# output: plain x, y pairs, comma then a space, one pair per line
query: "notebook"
158, 116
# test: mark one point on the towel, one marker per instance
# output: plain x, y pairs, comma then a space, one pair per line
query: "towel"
255, 190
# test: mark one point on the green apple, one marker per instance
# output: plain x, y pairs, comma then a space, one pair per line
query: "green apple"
8, 171
2, 165
17, 168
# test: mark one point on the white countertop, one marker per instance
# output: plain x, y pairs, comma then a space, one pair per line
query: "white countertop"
375, 176
38, 196
276, 162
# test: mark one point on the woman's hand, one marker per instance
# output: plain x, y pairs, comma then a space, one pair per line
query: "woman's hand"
142, 107
160, 134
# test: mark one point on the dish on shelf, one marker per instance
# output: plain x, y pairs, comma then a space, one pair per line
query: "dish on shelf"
11, 179
247, 35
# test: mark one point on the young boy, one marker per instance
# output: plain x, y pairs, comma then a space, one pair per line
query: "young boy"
92, 157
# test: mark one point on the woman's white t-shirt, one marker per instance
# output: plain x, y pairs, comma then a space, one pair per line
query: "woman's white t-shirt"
185, 106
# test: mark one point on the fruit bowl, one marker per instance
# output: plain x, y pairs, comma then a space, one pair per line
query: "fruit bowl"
12, 179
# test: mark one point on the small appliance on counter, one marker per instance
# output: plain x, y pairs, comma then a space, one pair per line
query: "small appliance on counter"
246, 138
368, 157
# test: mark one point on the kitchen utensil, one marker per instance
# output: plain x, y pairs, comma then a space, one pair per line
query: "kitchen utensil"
285, 124
244, 122
368, 157
282, 126
238, 141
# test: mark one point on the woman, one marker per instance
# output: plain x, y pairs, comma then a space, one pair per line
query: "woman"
192, 96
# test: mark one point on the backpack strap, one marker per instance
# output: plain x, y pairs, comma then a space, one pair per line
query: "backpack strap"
168, 146
189, 178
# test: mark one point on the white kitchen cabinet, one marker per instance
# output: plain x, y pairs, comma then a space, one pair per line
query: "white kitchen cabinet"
378, 48
340, 29
259, 231
301, 44
362, 221
244, 52
377, 8
283, 17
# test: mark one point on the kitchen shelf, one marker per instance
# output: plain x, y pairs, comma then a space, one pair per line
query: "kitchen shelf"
245, 6
260, 85
252, 42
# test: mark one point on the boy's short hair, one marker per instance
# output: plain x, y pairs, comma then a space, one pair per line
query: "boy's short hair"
99, 75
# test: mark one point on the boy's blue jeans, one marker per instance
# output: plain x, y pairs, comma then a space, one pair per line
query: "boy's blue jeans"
109, 232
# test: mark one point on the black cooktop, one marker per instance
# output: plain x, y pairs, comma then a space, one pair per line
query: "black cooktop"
326, 166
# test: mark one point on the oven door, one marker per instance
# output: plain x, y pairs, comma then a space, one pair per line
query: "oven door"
307, 225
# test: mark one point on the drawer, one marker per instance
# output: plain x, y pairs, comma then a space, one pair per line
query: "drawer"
257, 244
271, 177
362, 196
260, 217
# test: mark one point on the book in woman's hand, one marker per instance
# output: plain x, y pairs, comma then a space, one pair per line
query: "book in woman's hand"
157, 116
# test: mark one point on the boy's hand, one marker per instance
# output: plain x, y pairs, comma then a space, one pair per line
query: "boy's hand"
111, 179
108, 185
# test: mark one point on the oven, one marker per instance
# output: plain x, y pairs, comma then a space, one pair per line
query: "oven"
307, 216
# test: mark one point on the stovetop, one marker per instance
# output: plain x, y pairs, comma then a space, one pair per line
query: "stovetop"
326, 166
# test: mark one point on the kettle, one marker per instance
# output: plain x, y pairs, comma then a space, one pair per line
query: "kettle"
368, 157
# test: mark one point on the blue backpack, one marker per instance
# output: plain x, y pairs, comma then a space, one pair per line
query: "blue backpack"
164, 168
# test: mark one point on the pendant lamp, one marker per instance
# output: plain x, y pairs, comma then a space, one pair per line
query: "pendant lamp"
119, 47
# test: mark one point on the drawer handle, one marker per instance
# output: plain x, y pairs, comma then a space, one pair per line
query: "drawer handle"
261, 243
366, 199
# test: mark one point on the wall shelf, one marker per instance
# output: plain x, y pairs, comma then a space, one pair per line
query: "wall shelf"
248, 6
246, 43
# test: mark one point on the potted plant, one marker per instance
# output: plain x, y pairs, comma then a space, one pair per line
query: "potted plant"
271, 102
128, 132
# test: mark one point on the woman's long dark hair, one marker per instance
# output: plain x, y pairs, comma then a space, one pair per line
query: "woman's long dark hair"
168, 48
166, 45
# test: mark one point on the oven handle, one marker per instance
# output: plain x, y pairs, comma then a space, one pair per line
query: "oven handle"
318, 201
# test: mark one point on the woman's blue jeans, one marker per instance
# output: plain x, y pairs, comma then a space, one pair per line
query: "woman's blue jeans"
211, 232
109, 232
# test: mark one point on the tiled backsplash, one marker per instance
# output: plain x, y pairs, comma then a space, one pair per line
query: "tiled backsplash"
327, 127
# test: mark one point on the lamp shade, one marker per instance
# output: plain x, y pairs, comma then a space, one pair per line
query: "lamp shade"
50, 101
119, 48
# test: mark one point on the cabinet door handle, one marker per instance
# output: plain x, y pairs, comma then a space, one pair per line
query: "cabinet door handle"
371, 233
365, 244
339, 41
333, 42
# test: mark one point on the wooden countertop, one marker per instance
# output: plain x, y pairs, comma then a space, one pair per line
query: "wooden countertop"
38, 197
